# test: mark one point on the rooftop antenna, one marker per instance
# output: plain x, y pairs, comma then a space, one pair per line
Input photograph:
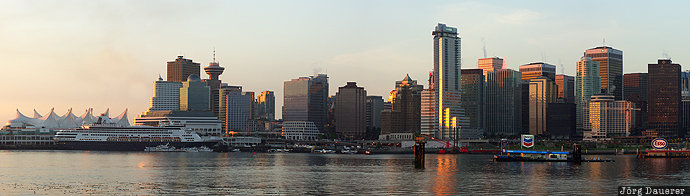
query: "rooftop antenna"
562, 67
484, 47
665, 55
603, 42
214, 54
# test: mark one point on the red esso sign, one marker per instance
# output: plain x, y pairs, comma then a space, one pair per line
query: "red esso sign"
659, 143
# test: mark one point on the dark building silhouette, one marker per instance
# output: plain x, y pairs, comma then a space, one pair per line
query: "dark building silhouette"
473, 97
180, 69
350, 111
665, 98
374, 109
560, 120
405, 113
635, 89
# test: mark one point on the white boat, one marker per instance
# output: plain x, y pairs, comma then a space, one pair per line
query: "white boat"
324, 151
163, 148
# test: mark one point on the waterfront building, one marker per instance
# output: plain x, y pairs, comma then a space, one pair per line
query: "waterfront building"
306, 99
587, 83
635, 89
490, 64
194, 95
609, 118
504, 102
448, 115
236, 108
53, 121
403, 120
664, 98
202, 122
166, 95
214, 70
350, 111
180, 69
610, 69
300, 130
374, 109
560, 120
538, 69
542, 91
473, 97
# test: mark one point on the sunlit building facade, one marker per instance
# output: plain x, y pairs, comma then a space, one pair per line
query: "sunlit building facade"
538, 69
266, 105
609, 118
449, 117
195, 95
587, 83
566, 88
611, 69
404, 116
542, 91
180, 69
166, 95
490, 64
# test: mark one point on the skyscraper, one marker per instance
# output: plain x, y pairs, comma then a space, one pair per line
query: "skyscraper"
542, 91
611, 69
504, 102
194, 95
448, 113
635, 88
213, 82
180, 69
490, 64
403, 119
266, 105
374, 108
236, 107
587, 83
534, 70
665, 98
166, 95
350, 111
306, 99
474, 97
566, 88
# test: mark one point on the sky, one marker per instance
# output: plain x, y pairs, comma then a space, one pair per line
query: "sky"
106, 54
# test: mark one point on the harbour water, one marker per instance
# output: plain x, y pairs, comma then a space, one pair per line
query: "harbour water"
137, 173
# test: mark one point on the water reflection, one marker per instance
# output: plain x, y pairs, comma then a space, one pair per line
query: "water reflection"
110, 173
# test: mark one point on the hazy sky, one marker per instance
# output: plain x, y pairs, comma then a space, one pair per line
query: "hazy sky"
106, 54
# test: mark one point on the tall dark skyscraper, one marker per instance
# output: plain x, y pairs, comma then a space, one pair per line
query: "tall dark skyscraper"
374, 108
665, 98
306, 99
611, 69
180, 69
566, 88
350, 111
635, 89
474, 97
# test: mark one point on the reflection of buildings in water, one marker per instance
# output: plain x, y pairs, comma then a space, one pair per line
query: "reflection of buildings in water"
445, 180
595, 177
536, 177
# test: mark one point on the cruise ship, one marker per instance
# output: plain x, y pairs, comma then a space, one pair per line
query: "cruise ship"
106, 135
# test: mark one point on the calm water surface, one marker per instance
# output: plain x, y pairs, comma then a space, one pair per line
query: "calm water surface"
137, 173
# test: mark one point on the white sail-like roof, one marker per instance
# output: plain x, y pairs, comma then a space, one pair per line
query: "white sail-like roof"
36, 114
122, 119
87, 118
51, 120
20, 118
69, 120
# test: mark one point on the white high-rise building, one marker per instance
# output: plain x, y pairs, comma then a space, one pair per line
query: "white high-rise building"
448, 114
166, 95
609, 118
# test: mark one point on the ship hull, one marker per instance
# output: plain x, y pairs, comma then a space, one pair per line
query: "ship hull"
125, 146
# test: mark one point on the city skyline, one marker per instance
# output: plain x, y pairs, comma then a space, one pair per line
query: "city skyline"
101, 55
